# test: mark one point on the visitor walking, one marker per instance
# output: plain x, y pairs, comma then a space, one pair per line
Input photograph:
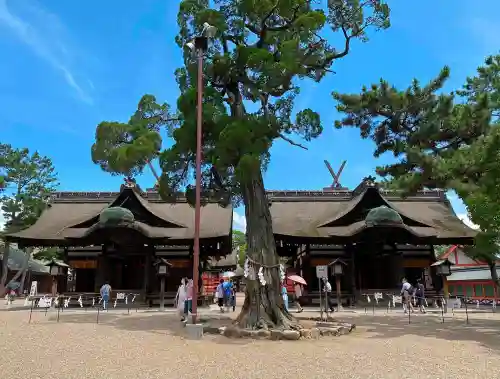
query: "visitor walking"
327, 290
407, 291
180, 298
105, 294
219, 293
227, 285
188, 303
420, 295
284, 294
233, 297
298, 295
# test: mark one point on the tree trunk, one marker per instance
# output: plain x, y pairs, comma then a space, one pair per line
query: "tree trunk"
494, 277
263, 307
21, 271
5, 268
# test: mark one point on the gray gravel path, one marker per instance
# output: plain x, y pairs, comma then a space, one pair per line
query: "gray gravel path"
150, 345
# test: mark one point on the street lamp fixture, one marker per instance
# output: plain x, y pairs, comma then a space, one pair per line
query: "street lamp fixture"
443, 267
199, 45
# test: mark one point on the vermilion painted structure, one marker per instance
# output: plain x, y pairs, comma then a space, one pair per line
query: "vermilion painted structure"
470, 278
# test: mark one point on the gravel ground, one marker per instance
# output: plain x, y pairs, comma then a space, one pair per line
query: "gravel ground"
151, 345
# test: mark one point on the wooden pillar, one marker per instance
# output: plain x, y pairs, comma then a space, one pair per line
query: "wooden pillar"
162, 293
399, 270
5, 267
339, 298
101, 269
352, 254
29, 251
147, 271
446, 294
54, 285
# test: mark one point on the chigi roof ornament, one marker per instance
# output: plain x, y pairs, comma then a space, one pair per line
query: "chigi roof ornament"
335, 175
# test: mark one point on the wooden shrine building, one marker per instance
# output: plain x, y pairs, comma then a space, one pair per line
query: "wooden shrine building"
122, 247
381, 236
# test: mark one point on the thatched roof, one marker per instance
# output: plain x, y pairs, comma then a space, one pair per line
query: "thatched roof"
341, 214
230, 260
74, 215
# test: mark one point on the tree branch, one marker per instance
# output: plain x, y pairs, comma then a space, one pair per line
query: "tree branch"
291, 142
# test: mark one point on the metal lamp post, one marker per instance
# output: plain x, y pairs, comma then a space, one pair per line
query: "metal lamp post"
199, 46
338, 269
162, 266
443, 269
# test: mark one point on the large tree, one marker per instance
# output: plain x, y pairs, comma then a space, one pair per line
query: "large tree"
251, 72
28, 179
439, 140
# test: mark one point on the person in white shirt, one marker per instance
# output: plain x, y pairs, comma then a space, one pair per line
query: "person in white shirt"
407, 293
327, 289
298, 294
180, 298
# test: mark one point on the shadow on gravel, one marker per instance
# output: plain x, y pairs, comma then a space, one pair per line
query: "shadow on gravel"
160, 323
484, 332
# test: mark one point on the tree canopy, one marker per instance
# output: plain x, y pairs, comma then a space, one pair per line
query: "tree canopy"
251, 77
260, 49
27, 181
439, 140
28, 178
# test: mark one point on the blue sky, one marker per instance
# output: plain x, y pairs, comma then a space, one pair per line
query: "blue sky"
67, 65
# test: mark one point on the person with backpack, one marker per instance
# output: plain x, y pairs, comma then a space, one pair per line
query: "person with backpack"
407, 291
420, 295
105, 293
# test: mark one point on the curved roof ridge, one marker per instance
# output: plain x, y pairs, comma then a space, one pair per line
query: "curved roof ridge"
133, 191
356, 200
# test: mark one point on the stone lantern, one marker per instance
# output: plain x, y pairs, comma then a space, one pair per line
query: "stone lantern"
443, 270
162, 268
338, 269
56, 269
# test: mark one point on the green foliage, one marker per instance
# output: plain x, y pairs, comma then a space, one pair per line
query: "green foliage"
259, 51
439, 141
420, 126
125, 148
48, 254
439, 250
240, 243
28, 181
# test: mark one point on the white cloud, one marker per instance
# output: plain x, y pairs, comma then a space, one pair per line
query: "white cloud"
466, 220
460, 209
239, 222
44, 41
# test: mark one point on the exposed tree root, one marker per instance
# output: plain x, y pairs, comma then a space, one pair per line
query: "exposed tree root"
262, 309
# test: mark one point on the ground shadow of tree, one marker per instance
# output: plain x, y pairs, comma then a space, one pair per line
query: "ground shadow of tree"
482, 331
159, 323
